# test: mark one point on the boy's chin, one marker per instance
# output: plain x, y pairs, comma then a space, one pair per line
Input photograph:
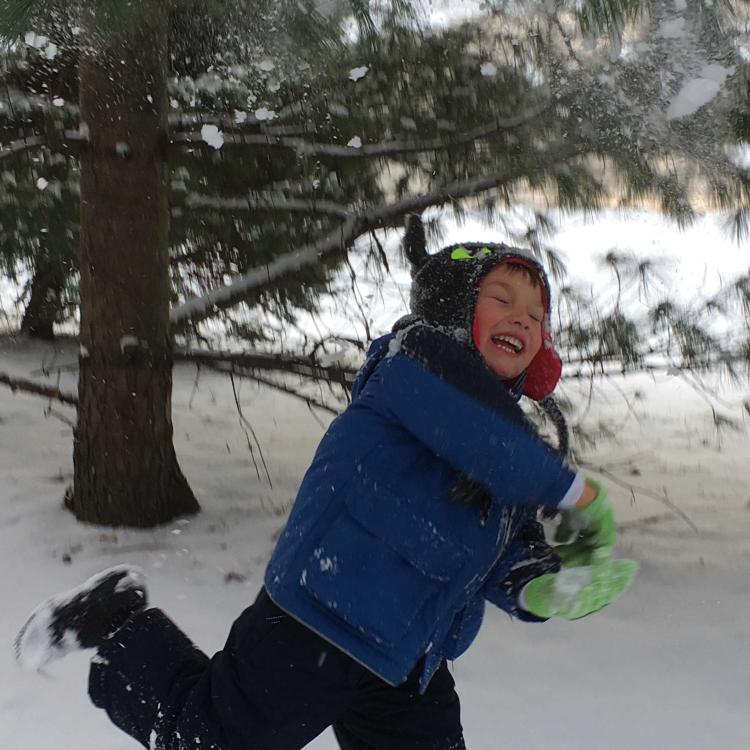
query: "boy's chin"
506, 371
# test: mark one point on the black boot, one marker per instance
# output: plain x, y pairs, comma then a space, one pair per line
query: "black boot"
83, 617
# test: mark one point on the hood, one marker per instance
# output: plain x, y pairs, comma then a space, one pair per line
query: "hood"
444, 291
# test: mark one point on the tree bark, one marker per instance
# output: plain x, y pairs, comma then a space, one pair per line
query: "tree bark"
44, 303
125, 468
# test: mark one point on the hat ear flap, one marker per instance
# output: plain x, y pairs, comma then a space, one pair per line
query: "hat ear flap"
415, 242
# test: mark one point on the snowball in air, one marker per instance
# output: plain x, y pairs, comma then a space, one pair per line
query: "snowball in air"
41, 183
212, 136
264, 114
488, 70
58, 102
355, 142
356, 73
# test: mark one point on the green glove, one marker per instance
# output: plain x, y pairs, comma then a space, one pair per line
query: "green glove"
577, 592
593, 529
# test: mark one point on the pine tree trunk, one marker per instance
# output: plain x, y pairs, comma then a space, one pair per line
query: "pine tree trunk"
125, 468
44, 303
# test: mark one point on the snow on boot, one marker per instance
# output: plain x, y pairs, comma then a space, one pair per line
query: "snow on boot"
83, 617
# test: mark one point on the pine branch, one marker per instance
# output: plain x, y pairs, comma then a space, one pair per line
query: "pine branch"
275, 362
250, 375
265, 202
21, 145
337, 242
365, 151
29, 386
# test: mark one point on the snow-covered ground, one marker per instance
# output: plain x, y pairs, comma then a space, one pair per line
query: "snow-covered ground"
668, 666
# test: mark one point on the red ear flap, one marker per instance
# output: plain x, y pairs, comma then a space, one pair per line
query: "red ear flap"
544, 371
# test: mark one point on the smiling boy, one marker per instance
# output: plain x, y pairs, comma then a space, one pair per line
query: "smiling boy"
385, 564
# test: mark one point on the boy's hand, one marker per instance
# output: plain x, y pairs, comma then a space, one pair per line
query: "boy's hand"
578, 591
592, 527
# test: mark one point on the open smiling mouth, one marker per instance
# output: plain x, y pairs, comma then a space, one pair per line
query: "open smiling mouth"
510, 344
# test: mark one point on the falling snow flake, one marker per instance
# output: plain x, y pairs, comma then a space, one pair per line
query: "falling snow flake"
212, 136
356, 73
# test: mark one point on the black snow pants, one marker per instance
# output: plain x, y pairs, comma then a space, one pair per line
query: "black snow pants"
275, 685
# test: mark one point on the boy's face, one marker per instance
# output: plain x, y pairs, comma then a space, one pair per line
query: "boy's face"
508, 321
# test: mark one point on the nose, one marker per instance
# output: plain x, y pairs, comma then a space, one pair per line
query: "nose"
521, 318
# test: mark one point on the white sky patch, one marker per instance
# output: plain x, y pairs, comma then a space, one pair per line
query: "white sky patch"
41, 183
212, 136
445, 13
355, 142
488, 70
58, 102
355, 74
263, 114
35, 40
699, 91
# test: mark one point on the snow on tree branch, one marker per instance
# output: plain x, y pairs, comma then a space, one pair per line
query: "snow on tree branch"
336, 242
267, 202
277, 362
357, 149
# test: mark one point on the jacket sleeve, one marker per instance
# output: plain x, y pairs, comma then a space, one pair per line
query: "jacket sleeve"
453, 404
528, 556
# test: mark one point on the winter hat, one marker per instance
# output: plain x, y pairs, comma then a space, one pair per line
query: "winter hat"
444, 292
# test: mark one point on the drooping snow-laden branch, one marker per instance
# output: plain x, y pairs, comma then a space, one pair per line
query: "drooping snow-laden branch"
357, 150
276, 362
612, 367
336, 242
20, 145
181, 120
231, 369
29, 386
266, 202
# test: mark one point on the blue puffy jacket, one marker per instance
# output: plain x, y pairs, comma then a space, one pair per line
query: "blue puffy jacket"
377, 556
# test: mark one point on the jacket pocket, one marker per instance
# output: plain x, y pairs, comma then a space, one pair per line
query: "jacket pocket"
380, 564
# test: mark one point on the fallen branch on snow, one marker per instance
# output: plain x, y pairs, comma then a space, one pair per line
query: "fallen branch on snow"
29, 386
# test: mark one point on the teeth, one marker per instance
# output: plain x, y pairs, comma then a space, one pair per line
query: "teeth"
510, 343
